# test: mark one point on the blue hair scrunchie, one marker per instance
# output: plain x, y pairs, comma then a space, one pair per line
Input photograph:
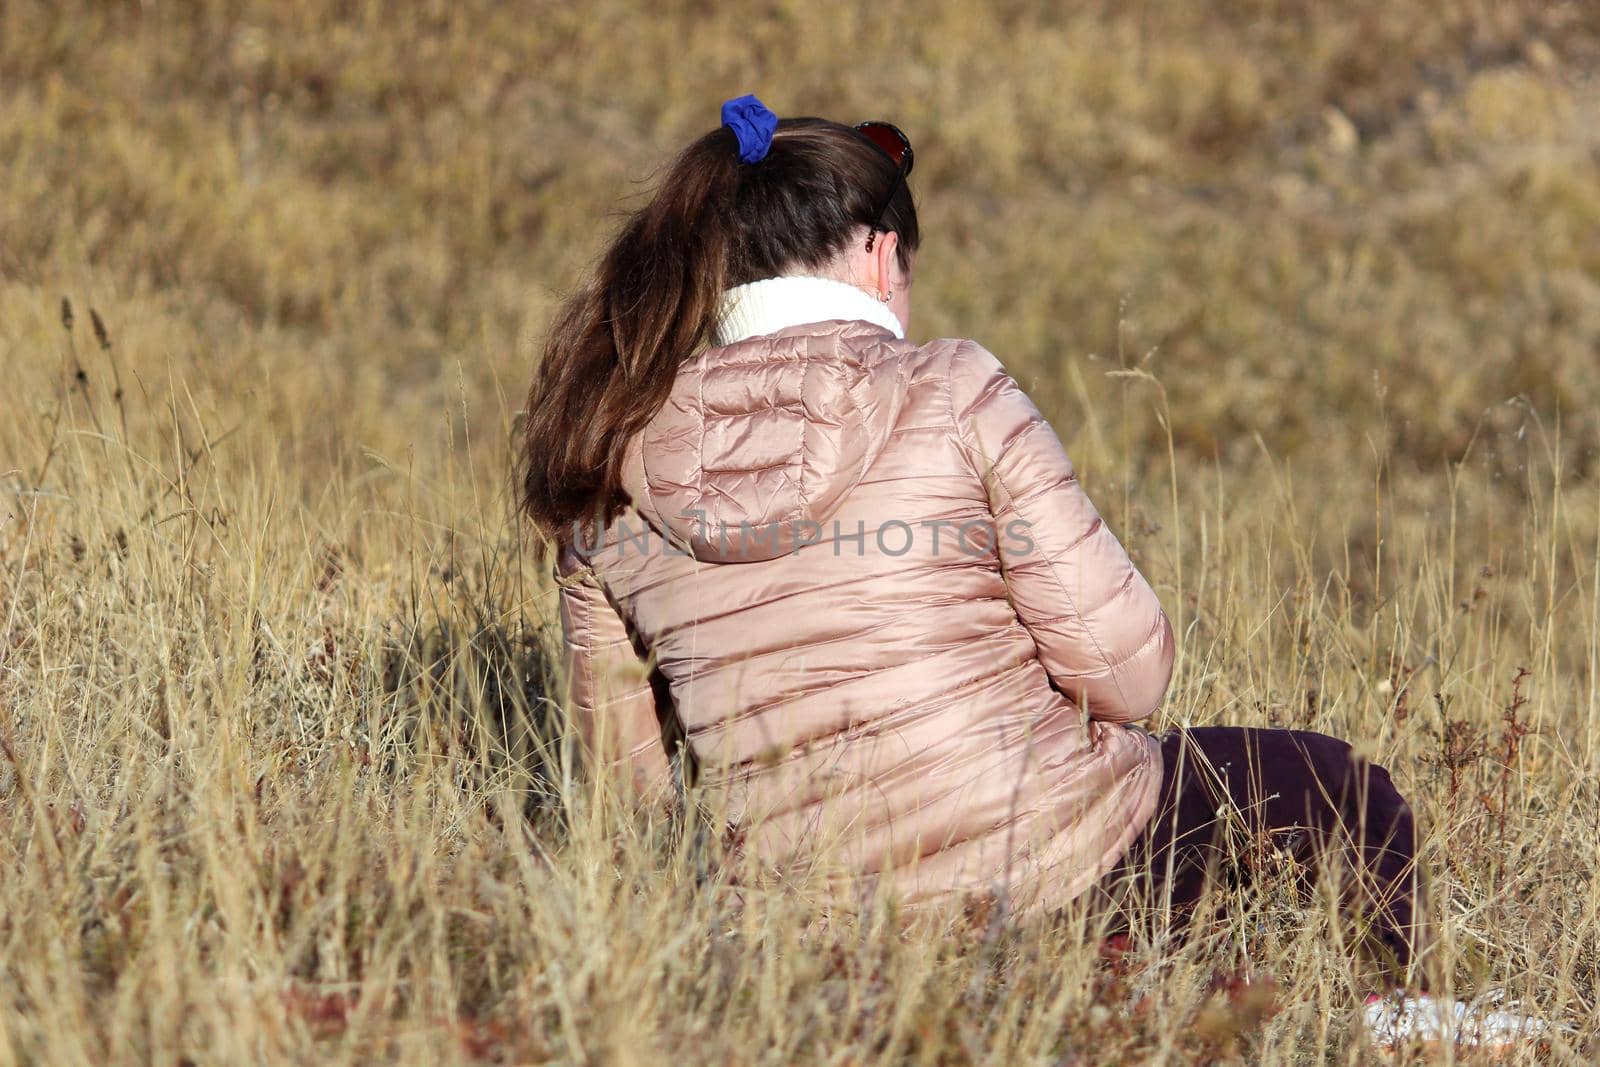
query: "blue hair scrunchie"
752, 123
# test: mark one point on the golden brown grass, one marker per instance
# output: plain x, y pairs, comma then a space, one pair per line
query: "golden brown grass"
1312, 295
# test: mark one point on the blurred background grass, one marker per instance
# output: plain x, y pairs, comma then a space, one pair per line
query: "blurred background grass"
1312, 294
1283, 213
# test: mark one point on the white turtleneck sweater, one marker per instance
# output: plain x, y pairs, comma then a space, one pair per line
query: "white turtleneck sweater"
771, 304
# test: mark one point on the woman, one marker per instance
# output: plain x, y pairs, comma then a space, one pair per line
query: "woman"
853, 579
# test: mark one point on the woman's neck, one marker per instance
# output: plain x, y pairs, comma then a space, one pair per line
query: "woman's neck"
769, 305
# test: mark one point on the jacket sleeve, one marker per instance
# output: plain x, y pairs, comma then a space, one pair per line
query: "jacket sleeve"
1099, 627
609, 695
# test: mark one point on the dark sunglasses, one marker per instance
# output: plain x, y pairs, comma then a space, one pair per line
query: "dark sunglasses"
897, 146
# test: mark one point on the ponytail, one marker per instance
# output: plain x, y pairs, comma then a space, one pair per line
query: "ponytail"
615, 347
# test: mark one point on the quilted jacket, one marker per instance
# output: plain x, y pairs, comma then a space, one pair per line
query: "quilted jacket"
861, 582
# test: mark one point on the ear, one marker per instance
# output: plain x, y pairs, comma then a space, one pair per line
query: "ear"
884, 252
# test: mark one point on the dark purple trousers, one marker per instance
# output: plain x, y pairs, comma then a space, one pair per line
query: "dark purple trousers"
1286, 791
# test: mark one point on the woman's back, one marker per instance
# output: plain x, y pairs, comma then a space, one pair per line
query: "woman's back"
870, 582
851, 584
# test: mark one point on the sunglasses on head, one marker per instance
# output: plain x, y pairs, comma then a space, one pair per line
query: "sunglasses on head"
888, 139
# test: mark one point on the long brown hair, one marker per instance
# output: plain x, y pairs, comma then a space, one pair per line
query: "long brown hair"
615, 346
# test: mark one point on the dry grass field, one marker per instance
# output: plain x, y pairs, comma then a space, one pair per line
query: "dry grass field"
1311, 292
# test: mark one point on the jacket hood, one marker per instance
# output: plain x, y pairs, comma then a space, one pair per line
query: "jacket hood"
760, 439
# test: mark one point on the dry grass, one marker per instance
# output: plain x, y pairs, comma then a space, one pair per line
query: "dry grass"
1313, 298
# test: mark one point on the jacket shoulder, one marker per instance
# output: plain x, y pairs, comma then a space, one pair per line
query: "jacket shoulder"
963, 369
949, 358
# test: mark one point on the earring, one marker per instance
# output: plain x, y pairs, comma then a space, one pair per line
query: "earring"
886, 297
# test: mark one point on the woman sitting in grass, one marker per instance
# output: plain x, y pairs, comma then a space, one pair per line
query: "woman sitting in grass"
854, 583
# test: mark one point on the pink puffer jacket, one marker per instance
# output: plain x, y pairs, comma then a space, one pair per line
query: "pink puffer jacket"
893, 629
